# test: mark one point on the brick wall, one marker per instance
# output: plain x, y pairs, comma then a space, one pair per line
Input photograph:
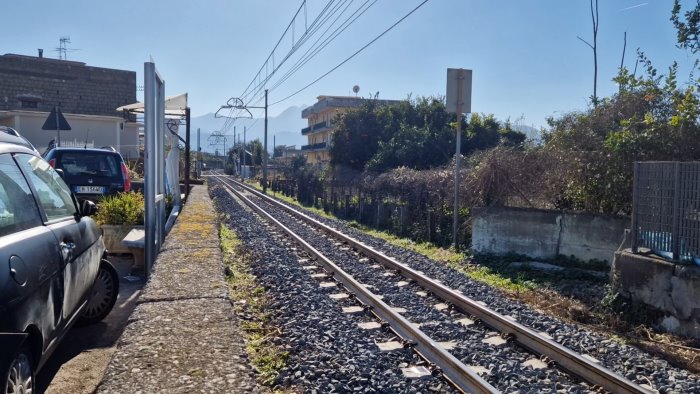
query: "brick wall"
79, 89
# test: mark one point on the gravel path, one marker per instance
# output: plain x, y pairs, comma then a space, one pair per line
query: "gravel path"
628, 361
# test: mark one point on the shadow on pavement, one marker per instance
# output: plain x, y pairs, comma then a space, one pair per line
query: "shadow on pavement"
90, 346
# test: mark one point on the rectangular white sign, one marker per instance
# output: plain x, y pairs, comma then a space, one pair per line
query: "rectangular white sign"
455, 77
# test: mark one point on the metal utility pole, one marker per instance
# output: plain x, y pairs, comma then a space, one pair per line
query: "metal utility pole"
237, 103
458, 100
216, 139
458, 162
244, 152
234, 147
265, 150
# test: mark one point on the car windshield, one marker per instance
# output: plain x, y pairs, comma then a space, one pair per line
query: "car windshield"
89, 164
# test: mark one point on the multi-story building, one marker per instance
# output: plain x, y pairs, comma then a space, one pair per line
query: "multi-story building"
30, 87
321, 117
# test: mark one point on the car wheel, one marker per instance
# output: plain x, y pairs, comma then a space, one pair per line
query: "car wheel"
20, 376
104, 295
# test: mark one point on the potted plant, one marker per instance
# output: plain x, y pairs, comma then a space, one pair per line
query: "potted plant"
117, 215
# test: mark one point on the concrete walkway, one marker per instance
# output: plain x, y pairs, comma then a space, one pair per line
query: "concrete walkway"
183, 336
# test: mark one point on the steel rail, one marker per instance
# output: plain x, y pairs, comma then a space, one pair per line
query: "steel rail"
528, 338
453, 369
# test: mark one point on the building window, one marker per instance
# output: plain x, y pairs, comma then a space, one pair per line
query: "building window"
29, 104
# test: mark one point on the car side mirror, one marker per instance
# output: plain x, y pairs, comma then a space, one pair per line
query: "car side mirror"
60, 173
87, 208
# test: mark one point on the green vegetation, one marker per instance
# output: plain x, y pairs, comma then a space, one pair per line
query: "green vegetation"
254, 158
416, 133
121, 209
250, 300
453, 259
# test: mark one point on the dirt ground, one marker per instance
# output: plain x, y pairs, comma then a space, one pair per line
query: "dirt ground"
80, 360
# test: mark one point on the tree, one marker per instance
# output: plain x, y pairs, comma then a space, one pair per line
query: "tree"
254, 150
356, 137
688, 30
594, 47
649, 119
417, 135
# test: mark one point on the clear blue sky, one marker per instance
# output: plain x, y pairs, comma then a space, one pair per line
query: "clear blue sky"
526, 57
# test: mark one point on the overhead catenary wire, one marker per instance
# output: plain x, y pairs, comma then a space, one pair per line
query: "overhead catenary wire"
316, 25
354, 54
331, 8
309, 31
307, 57
252, 91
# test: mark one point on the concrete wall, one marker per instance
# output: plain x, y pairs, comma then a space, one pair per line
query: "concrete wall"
546, 234
673, 289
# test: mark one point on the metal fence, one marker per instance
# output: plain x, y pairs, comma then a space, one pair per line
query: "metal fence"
666, 209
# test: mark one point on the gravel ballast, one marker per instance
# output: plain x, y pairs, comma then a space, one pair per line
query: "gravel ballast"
328, 351
628, 361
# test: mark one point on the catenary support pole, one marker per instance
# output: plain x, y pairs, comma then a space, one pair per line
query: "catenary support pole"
264, 185
244, 152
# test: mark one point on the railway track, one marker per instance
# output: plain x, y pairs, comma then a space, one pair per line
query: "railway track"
428, 299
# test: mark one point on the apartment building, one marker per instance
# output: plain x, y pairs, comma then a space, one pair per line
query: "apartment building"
321, 117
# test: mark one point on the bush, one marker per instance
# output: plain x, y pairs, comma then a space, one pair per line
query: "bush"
121, 209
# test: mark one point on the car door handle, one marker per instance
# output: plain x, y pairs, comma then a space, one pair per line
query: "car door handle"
66, 251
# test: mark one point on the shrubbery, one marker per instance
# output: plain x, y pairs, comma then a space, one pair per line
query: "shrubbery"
121, 209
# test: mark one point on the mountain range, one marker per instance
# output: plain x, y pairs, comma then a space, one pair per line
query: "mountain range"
285, 128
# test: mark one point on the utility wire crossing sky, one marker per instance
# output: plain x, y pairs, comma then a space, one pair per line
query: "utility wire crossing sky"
527, 60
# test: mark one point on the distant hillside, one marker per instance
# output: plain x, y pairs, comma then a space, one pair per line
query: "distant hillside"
285, 127
531, 132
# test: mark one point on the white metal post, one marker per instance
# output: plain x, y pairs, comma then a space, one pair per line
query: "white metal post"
154, 118
458, 158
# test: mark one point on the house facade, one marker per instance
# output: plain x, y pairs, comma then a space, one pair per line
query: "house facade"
30, 87
321, 117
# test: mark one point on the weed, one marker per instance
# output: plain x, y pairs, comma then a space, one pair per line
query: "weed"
251, 301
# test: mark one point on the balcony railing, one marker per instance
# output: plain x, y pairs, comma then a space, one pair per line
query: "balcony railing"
315, 127
312, 147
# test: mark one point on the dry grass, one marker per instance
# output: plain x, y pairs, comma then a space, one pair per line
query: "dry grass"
681, 352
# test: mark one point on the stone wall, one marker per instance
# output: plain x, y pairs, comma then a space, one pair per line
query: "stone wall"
80, 89
546, 234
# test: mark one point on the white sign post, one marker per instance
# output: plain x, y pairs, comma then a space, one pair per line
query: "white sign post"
458, 101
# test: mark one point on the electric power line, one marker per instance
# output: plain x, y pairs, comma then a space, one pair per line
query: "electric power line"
354, 54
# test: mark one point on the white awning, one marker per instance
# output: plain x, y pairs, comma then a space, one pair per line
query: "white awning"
174, 106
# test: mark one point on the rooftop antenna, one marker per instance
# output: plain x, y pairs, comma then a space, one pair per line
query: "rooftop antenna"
63, 49
356, 89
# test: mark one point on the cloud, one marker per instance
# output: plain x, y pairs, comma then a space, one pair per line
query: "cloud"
631, 7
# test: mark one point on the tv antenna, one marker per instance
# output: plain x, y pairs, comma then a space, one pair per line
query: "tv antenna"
63, 49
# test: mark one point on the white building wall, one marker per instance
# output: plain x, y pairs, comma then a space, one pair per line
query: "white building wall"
94, 131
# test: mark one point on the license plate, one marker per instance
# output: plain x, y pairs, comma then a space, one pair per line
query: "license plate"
90, 189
